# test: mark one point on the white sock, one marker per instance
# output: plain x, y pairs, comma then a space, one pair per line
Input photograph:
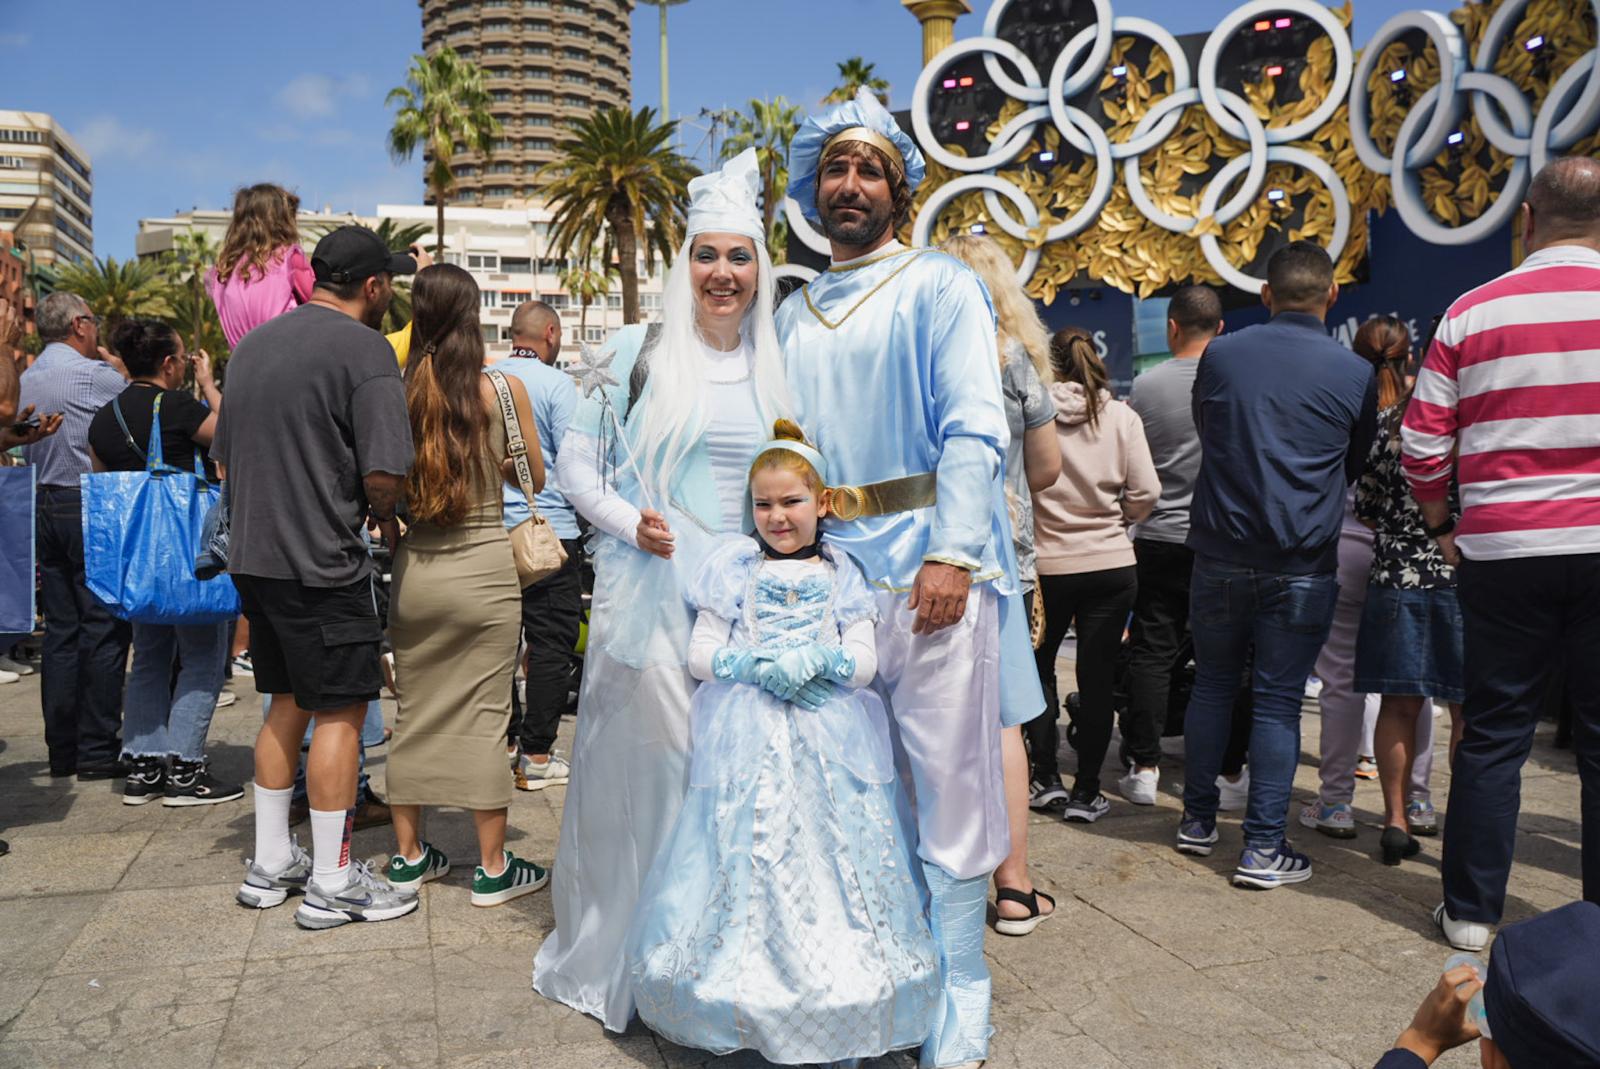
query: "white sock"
330, 848
272, 828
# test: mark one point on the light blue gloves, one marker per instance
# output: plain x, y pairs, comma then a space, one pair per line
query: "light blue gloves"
804, 675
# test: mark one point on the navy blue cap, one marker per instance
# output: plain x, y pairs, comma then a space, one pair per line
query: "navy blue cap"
1540, 994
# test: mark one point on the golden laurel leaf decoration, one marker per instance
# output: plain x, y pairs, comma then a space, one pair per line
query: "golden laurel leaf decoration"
1125, 250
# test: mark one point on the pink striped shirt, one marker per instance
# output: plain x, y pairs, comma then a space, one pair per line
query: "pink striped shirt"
1508, 401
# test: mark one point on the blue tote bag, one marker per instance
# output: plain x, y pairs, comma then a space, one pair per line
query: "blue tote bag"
16, 552
141, 533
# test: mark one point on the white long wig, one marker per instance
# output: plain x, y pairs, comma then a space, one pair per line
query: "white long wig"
674, 414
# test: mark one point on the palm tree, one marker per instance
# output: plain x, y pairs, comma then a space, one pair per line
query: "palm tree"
399, 237
117, 291
663, 5
621, 186
588, 285
856, 73
768, 127
193, 254
443, 107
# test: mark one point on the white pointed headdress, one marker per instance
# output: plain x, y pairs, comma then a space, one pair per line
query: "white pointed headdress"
725, 201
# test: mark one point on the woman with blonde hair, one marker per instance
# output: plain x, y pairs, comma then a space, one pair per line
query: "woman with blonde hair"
1033, 462
457, 606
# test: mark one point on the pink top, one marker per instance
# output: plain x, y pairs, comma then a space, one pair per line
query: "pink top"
243, 305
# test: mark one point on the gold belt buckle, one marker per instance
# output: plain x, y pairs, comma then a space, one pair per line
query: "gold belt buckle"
848, 503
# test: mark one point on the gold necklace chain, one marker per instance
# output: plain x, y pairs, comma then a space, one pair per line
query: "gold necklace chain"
836, 324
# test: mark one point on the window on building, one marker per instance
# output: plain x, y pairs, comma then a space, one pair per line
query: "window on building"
13, 163
491, 333
516, 265
453, 258
559, 301
497, 50
503, 96
499, 191
573, 101
536, 27
489, 298
539, 144
614, 302
552, 266
537, 96
594, 334
502, 168
497, 26
483, 261
575, 53
512, 298
465, 196
23, 137
650, 302
466, 170
536, 50
539, 74
573, 31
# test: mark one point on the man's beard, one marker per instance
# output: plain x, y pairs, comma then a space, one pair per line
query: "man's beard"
866, 230
373, 317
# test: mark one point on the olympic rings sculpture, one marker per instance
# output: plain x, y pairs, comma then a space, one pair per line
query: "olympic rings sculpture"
1570, 112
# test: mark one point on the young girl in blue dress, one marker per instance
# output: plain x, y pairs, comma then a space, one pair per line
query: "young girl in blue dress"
785, 912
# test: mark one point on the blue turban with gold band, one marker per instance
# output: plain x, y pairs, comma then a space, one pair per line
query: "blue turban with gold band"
862, 119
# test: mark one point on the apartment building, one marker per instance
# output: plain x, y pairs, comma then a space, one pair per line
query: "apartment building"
46, 189
546, 63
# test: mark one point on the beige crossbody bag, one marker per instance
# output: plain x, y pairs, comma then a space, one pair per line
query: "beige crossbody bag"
534, 546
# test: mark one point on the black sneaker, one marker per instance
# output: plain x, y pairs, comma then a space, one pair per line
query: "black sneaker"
189, 783
110, 770
1085, 808
147, 781
1047, 795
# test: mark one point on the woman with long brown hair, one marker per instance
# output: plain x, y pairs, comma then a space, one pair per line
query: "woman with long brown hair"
1087, 572
457, 606
1409, 647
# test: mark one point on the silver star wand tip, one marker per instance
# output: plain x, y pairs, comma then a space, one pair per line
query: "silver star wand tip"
592, 369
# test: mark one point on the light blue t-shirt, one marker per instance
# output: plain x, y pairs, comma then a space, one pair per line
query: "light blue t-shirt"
553, 397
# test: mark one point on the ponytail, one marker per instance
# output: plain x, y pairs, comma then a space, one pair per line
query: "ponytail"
1385, 342
1073, 358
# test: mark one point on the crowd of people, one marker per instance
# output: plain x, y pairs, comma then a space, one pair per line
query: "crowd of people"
837, 542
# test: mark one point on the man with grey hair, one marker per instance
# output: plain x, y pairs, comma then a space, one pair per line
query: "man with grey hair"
551, 608
85, 647
1507, 405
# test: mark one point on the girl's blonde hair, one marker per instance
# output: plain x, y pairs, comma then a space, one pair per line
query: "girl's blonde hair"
788, 459
1018, 316
264, 224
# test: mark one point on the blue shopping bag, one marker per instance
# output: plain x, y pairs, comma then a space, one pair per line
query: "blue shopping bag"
141, 532
16, 551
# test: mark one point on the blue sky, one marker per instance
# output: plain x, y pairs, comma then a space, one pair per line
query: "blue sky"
180, 101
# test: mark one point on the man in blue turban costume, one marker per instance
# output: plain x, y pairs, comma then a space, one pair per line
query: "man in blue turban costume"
892, 364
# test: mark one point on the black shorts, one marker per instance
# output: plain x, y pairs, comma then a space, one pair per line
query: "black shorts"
320, 644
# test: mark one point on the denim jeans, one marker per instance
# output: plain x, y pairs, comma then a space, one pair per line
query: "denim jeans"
160, 717
85, 647
1286, 618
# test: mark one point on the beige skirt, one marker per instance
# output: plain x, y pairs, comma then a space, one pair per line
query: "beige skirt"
454, 622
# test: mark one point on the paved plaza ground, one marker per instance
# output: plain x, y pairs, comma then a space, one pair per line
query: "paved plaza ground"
121, 945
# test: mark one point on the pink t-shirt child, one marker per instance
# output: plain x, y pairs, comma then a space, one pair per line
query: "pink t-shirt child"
244, 304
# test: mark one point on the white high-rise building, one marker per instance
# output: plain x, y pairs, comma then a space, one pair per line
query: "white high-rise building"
46, 188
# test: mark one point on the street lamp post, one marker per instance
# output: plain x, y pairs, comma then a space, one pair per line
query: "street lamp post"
666, 111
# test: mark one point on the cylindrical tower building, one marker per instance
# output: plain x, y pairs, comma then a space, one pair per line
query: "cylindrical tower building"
546, 63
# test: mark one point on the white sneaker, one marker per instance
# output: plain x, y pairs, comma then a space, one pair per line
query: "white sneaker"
8, 677
226, 698
8, 665
1235, 796
531, 775
1139, 786
1313, 687
1463, 935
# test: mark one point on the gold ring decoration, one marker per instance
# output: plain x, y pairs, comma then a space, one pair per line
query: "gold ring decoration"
848, 502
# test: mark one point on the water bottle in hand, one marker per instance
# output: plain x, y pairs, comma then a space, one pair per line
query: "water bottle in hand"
1475, 1011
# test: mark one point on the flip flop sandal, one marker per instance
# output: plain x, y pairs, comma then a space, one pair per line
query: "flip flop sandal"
1021, 925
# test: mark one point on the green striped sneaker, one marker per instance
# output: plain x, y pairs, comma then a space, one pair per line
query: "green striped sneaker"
519, 878
406, 875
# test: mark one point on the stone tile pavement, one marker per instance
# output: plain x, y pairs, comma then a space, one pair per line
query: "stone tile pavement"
120, 943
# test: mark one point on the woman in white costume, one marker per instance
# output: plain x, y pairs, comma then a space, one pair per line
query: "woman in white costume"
656, 459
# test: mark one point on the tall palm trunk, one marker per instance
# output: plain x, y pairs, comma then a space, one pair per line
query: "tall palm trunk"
620, 220
438, 205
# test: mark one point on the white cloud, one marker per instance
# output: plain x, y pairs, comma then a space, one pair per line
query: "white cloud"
106, 135
317, 96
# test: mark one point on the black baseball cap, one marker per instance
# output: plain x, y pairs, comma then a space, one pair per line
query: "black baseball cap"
353, 253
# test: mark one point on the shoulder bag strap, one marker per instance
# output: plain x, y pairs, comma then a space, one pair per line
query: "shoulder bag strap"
516, 445
127, 435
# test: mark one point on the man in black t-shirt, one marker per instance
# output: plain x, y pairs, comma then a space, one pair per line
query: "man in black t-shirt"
315, 442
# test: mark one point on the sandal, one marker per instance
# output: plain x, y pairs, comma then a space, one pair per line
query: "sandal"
1021, 925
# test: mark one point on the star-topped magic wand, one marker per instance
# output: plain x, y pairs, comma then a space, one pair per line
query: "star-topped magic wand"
593, 374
